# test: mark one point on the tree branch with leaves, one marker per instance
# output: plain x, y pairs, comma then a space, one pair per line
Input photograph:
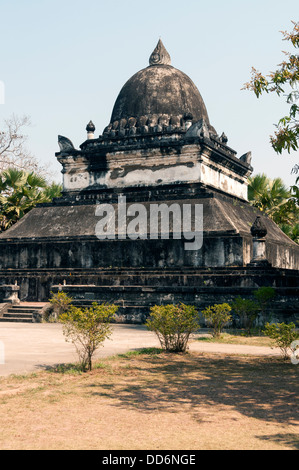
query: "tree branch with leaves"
284, 80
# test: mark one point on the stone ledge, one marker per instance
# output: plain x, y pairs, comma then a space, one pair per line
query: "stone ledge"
9, 293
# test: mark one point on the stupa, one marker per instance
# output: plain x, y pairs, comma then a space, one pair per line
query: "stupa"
158, 152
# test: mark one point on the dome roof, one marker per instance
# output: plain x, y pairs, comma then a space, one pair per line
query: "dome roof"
159, 90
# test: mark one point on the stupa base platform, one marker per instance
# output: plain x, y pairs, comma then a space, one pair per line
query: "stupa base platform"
135, 291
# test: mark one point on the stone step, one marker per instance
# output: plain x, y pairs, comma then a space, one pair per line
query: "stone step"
119, 303
21, 310
27, 307
17, 314
16, 319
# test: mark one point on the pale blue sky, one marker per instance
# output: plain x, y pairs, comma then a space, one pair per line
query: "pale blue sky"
64, 63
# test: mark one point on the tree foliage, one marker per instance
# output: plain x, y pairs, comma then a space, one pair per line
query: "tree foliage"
247, 311
283, 334
277, 201
20, 191
173, 325
87, 328
61, 303
264, 295
217, 316
284, 80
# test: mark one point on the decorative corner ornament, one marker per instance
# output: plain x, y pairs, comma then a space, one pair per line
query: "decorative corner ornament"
65, 144
258, 229
246, 158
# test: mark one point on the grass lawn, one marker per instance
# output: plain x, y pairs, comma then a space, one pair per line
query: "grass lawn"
235, 337
153, 400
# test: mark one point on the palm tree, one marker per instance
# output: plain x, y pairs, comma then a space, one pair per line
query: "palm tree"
291, 231
266, 194
20, 192
277, 201
51, 192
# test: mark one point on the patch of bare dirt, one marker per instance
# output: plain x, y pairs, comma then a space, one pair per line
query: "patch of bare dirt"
156, 402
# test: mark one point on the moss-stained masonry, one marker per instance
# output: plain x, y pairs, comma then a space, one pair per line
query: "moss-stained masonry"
159, 148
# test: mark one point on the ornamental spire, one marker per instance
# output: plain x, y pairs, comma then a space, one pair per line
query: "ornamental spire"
160, 55
90, 130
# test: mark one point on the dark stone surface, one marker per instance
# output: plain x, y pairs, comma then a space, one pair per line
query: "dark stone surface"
63, 236
9, 293
71, 218
136, 291
258, 229
159, 121
156, 91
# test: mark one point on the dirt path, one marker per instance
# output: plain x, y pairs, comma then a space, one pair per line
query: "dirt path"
29, 347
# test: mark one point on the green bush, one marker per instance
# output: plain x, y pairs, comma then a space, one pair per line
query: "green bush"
61, 303
283, 334
173, 325
247, 310
217, 316
87, 329
263, 295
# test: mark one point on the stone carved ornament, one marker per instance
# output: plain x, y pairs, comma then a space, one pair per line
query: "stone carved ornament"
160, 55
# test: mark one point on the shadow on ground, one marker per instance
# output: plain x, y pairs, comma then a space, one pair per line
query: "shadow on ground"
261, 388
289, 440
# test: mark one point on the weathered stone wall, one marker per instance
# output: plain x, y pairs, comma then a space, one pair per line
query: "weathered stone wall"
93, 253
136, 290
89, 252
57, 242
198, 288
153, 166
62, 235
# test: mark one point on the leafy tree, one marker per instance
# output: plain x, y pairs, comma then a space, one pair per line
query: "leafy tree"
264, 295
283, 334
284, 79
20, 191
173, 325
87, 329
61, 303
247, 310
217, 316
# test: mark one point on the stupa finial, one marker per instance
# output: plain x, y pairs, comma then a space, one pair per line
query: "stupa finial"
90, 130
160, 55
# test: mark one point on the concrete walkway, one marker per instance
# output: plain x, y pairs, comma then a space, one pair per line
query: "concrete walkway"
29, 347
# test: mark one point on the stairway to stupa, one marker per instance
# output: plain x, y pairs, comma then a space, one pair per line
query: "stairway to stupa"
23, 312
